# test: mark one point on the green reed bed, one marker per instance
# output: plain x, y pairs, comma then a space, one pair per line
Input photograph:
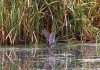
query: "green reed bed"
21, 21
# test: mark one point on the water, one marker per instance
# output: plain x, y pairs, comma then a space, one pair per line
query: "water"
67, 57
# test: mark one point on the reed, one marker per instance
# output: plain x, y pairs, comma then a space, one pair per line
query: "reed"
20, 20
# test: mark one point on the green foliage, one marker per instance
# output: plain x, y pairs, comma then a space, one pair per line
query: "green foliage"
20, 18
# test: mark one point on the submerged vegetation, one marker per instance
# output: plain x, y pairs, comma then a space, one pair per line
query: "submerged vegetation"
22, 21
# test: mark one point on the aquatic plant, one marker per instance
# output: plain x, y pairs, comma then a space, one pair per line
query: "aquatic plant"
21, 22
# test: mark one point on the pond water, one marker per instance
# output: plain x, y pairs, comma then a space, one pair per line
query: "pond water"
66, 57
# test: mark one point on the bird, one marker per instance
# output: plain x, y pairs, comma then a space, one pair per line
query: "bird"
50, 37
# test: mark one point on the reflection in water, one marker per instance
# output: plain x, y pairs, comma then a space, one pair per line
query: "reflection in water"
78, 57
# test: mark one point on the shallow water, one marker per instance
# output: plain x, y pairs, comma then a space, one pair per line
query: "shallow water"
67, 57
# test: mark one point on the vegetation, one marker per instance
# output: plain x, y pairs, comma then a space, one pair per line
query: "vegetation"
22, 21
